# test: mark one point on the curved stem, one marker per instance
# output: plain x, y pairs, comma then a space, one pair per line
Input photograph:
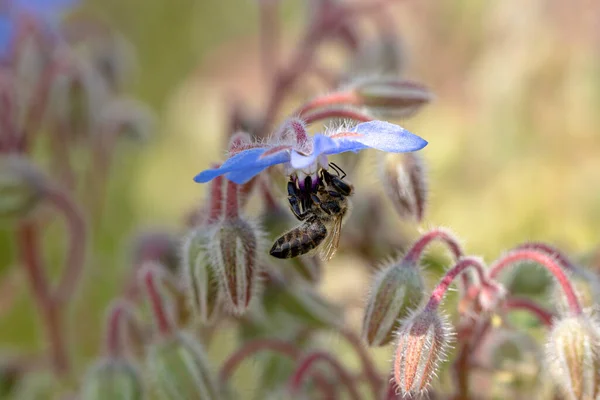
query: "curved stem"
28, 240
297, 378
120, 313
517, 303
337, 113
416, 251
369, 369
348, 97
547, 262
150, 274
440, 291
550, 250
252, 347
77, 233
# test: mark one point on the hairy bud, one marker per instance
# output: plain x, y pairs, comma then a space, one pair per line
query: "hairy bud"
403, 176
422, 342
392, 97
200, 274
234, 253
178, 369
22, 187
397, 290
112, 379
573, 357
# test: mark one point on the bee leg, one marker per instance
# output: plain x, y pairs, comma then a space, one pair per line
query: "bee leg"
331, 207
315, 199
295, 199
341, 186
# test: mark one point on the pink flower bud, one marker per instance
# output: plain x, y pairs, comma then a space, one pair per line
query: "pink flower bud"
422, 342
397, 290
573, 357
403, 176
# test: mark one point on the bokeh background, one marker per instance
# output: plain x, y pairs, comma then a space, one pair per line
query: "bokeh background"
514, 143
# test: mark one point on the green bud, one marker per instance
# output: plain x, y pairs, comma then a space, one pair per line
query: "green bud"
200, 275
179, 369
397, 290
112, 379
21, 187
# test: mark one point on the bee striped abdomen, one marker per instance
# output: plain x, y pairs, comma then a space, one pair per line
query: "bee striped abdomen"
300, 240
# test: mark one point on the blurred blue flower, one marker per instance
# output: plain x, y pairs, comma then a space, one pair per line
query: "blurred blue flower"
380, 135
44, 11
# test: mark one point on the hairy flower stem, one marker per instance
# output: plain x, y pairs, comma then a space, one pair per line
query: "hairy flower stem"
28, 237
163, 322
216, 199
369, 369
295, 382
462, 364
231, 200
547, 262
279, 346
336, 113
332, 99
77, 233
440, 291
550, 250
120, 317
517, 303
416, 251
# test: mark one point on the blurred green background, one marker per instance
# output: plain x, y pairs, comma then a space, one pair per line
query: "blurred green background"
514, 143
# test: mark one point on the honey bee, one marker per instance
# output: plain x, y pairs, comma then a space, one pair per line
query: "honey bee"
322, 210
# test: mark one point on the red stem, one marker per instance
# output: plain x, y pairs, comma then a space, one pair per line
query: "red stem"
77, 233
337, 113
440, 291
368, 368
416, 251
114, 330
550, 250
307, 363
278, 346
150, 275
328, 100
547, 262
231, 200
517, 303
28, 238
216, 199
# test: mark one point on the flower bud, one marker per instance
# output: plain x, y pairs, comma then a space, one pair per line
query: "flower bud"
573, 357
397, 290
404, 179
112, 379
234, 253
200, 275
392, 97
422, 342
178, 369
22, 187
491, 294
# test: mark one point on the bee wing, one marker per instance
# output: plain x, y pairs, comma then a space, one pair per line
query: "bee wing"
332, 240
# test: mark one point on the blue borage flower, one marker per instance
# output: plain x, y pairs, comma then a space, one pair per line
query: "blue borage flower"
305, 155
45, 11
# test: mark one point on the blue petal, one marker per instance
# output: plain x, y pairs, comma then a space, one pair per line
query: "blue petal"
388, 137
244, 166
6, 32
321, 145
